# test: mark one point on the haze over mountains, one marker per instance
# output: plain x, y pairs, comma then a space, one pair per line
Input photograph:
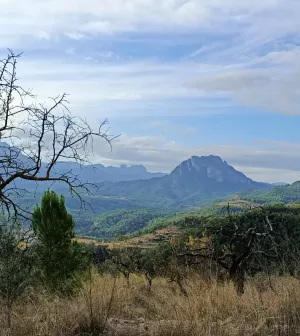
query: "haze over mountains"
88, 173
194, 182
99, 173
208, 175
138, 195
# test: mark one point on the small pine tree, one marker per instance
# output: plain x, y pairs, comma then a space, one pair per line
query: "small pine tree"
60, 257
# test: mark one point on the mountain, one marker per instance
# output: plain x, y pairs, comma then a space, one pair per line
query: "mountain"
194, 180
277, 184
85, 173
197, 181
98, 173
211, 174
194, 183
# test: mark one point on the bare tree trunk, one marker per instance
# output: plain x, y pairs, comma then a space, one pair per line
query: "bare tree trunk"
237, 276
127, 277
9, 314
181, 287
149, 280
178, 280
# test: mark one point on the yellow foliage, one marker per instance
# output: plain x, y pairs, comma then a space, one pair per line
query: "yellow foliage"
23, 245
198, 242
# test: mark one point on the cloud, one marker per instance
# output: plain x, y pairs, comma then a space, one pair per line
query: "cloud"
93, 16
278, 162
270, 82
244, 50
267, 161
51, 19
164, 58
161, 88
270, 175
123, 88
272, 88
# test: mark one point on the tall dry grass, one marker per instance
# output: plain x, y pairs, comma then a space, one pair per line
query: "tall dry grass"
109, 306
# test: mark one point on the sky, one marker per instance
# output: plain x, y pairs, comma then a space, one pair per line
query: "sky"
175, 78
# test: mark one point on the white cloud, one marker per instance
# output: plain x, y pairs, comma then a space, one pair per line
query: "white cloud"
260, 161
247, 52
232, 67
126, 88
270, 175
52, 18
273, 88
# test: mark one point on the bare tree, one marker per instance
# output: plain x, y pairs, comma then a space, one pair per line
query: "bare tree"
34, 137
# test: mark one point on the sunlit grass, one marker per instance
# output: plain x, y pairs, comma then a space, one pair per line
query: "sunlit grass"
110, 304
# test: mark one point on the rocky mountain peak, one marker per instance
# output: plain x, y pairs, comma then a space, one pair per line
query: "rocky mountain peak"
206, 169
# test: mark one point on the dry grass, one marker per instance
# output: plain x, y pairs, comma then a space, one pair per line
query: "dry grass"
142, 241
209, 309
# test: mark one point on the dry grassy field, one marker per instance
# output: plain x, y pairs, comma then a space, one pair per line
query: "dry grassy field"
108, 306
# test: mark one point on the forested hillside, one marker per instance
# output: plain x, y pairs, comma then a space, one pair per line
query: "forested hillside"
121, 222
285, 194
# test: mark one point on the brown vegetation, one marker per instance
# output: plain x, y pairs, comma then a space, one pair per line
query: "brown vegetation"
142, 241
110, 305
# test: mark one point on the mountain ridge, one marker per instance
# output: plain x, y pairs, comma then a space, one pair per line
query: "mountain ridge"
95, 172
193, 179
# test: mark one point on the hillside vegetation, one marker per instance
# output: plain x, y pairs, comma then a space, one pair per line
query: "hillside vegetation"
121, 222
285, 194
213, 272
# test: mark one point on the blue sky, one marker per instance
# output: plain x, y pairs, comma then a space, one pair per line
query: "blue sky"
174, 77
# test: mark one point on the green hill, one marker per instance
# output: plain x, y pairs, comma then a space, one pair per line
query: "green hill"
285, 194
121, 222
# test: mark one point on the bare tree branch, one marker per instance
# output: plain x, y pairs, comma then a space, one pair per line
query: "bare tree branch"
37, 138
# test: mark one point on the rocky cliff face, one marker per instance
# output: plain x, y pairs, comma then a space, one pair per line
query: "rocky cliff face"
210, 172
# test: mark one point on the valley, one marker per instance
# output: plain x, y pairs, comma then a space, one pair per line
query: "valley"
132, 199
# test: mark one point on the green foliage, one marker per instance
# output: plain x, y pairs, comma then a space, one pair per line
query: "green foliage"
285, 194
183, 220
16, 265
155, 260
118, 223
60, 258
283, 243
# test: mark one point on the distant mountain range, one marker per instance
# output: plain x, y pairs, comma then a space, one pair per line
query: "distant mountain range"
98, 173
134, 193
194, 180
